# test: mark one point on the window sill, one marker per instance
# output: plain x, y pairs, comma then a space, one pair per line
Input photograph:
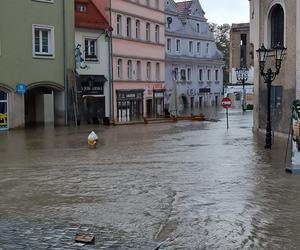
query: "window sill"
42, 56
91, 60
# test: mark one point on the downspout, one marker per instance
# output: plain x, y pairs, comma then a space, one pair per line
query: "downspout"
65, 63
111, 72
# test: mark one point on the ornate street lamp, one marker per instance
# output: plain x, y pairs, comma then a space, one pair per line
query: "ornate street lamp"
269, 75
242, 77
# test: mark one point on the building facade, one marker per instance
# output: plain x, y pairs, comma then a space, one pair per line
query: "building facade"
273, 22
241, 56
138, 61
192, 57
36, 53
93, 63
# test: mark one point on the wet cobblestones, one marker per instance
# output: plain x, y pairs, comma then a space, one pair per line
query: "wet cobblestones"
26, 234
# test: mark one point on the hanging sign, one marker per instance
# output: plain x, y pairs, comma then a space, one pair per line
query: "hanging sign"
21, 88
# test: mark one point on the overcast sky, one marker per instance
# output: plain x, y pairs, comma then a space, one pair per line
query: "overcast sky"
225, 11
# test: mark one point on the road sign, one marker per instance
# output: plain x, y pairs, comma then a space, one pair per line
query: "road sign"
226, 102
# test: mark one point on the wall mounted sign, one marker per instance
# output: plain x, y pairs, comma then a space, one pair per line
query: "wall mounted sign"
21, 88
92, 86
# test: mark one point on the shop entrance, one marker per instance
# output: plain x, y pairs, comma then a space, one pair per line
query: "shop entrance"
130, 105
3, 111
93, 110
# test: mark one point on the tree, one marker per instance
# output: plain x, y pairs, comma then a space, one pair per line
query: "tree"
222, 38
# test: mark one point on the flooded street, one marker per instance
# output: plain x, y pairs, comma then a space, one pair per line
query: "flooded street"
184, 185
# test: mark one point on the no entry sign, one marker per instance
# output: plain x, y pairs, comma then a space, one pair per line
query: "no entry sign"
226, 102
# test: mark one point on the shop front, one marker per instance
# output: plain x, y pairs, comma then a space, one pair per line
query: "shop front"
3, 111
158, 102
91, 103
130, 105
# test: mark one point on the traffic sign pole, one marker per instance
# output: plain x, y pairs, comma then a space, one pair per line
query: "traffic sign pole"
226, 103
227, 118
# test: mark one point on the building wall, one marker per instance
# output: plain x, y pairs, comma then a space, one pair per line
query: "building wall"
185, 30
260, 33
17, 62
130, 48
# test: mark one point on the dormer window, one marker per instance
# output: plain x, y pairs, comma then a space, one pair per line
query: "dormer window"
81, 8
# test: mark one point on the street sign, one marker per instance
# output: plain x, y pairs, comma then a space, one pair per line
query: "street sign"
226, 102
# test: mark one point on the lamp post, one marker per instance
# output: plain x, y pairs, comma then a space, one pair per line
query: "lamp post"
269, 75
242, 77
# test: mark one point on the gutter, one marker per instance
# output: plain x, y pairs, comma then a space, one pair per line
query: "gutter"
65, 62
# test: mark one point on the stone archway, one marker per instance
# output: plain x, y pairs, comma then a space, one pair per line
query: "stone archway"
44, 104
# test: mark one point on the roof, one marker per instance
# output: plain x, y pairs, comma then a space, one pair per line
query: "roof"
183, 9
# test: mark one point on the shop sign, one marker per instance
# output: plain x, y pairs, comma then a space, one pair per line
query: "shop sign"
197, 92
92, 86
21, 88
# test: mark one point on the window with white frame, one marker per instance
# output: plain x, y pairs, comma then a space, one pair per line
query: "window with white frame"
208, 75
90, 49
43, 40
157, 33
198, 27
217, 74
128, 27
120, 69
198, 47
119, 25
169, 45
182, 74
148, 32
200, 75
137, 29
138, 70
177, 45
157, 4
191, 47
129, 69
189, 74
207, 49
148, 70
157, 71
176, 74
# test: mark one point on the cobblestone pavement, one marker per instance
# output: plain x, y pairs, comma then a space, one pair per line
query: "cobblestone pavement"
185, 185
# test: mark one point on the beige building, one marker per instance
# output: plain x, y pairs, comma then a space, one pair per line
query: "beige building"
273, 21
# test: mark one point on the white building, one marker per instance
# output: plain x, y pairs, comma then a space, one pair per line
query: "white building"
192, 57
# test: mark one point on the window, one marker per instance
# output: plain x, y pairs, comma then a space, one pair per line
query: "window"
157, 71
243, 50
129, 69
176, 74
43, 40
189, 74
200, 75
90, 49
277, 25
138, 70
148, 70
198, 47
190, 47
217, 74
147, 2
128, 27
157, 34
119, 25
198, 27
169, 48
182, 75
208, 75
177, 45
148, 31
120, 69
207, 49
137, 29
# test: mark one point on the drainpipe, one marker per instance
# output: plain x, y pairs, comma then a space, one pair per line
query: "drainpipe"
65, 62
111, 73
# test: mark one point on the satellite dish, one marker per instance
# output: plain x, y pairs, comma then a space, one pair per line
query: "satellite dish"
169, 20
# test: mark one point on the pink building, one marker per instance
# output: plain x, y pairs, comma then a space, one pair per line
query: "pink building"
138, 48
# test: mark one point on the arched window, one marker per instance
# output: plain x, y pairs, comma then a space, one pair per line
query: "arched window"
276, 18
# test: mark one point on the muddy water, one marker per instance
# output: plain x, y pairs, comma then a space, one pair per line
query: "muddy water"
185, 185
